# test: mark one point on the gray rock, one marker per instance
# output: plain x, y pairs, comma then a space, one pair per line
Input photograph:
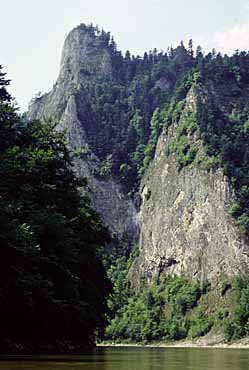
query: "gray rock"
185, 227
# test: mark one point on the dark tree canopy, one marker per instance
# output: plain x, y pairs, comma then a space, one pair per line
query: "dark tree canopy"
53, 286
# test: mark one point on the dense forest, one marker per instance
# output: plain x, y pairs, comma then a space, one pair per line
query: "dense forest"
53, 286
173, 308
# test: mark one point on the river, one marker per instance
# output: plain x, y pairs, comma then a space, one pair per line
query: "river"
138, 359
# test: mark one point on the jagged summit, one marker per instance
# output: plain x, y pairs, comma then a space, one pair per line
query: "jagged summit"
86, 51
86, 54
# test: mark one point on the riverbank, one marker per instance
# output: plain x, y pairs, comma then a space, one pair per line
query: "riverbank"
214, 341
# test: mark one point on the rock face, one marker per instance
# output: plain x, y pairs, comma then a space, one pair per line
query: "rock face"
84, 58
185, 226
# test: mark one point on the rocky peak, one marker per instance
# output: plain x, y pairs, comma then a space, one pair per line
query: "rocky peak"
86, 55
85, 52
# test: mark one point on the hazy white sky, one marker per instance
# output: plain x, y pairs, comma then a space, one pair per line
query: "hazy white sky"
32, 31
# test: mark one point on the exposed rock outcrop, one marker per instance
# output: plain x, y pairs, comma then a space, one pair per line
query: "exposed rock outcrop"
83, 58
185, 225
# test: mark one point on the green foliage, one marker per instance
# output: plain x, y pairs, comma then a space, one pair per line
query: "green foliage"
155, 130
162, 311
117, 273
182, 144
200, 324
222, 314
106, 167
182, 295
53, 285
183, 148
237, 324
210, 162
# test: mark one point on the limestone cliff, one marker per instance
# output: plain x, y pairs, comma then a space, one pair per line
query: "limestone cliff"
185, 225
84, 58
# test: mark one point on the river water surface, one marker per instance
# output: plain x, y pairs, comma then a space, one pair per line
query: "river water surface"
138, 359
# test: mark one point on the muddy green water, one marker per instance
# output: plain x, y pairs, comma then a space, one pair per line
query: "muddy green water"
138, 359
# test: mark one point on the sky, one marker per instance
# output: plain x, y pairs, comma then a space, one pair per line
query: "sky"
32, 32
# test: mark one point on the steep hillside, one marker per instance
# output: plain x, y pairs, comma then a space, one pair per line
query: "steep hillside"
186, 228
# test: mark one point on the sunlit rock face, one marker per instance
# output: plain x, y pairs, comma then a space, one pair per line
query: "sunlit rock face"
84, 58
185, 225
